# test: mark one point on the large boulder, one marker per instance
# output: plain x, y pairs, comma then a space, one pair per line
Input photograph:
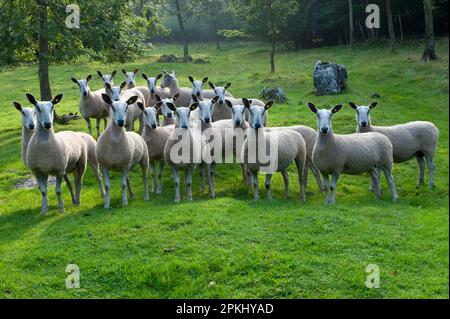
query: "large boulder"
329, 78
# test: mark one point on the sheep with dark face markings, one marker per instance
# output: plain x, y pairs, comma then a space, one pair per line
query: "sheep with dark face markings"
120, 150
107, 79
350, 154
414, 139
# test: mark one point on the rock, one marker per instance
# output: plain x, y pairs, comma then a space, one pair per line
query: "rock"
329, 78
30, 182
200, 61
275, 93
375, 95
168, 58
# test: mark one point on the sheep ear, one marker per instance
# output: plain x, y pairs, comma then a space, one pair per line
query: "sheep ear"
31, 99
136, 71
336, 109
164, 71
211, 85
353, 105
229, 104
122, 85
191, 79
227, 85
158, 98
159, 76
106, 98
194, 98
17, 106
113, 74
205, 79
124, 72
268, 105
246, 102
141, 106
57, 99
176, 96
173, 72
171, 106
373, 104
100, 74
89, 77
145, 76
132, 99
193, 106
312, 107
75, 81
215, 99
158, 105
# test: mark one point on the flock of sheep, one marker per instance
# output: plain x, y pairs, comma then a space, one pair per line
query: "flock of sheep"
194, 116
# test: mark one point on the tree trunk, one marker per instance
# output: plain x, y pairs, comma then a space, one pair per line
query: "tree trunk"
272, 55
401, 27
362, 31
44, 82
352, 28
183, 32
390, 25
428, 53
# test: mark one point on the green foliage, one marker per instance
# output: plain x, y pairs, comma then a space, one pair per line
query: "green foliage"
277, 249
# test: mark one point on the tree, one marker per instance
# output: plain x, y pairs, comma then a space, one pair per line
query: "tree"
44, 81
265, 19
352, 25
390, 25
428, 53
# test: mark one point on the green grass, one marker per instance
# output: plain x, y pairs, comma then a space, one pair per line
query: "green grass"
277, 249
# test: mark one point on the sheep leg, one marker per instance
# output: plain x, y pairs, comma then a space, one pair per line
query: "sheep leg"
210, 168
390, 179
326, 185
334, 179
286, 183
316, 174
107, 187
105, 122
202, 177
78, 176
98, 177
421, 162
160, 174
58, 193
97, 126
430, 163
144, 168
69, 186
244, 174
188, 182
374, 181
124, 184
267, 184
176, 179
88, 123
152, 173
41, 179
130, 191
255, 185
301, 170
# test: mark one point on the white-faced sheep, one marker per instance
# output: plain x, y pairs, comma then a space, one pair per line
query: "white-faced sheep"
91, 104
185, 149
154, 91
222, 112
414, 139
184, 94
107, 79
272, 151
130, 79
56, 154
309, 135
164, 109
197, 89
156, 138
350, 154
119, 150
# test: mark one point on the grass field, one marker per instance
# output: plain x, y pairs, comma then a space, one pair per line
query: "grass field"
277, 249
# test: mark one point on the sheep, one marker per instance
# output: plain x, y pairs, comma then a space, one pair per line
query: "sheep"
91, 104
350, 154
134, 112
221, 112
28, 127
185, 148
170, 81
308, 134
154, 90
119, 150
107, 79
215, 134
418, 138
156, 138
57, 154
130, 79
283, 147
167, 113
197, 89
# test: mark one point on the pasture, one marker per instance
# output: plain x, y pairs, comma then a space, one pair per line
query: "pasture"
230, 246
